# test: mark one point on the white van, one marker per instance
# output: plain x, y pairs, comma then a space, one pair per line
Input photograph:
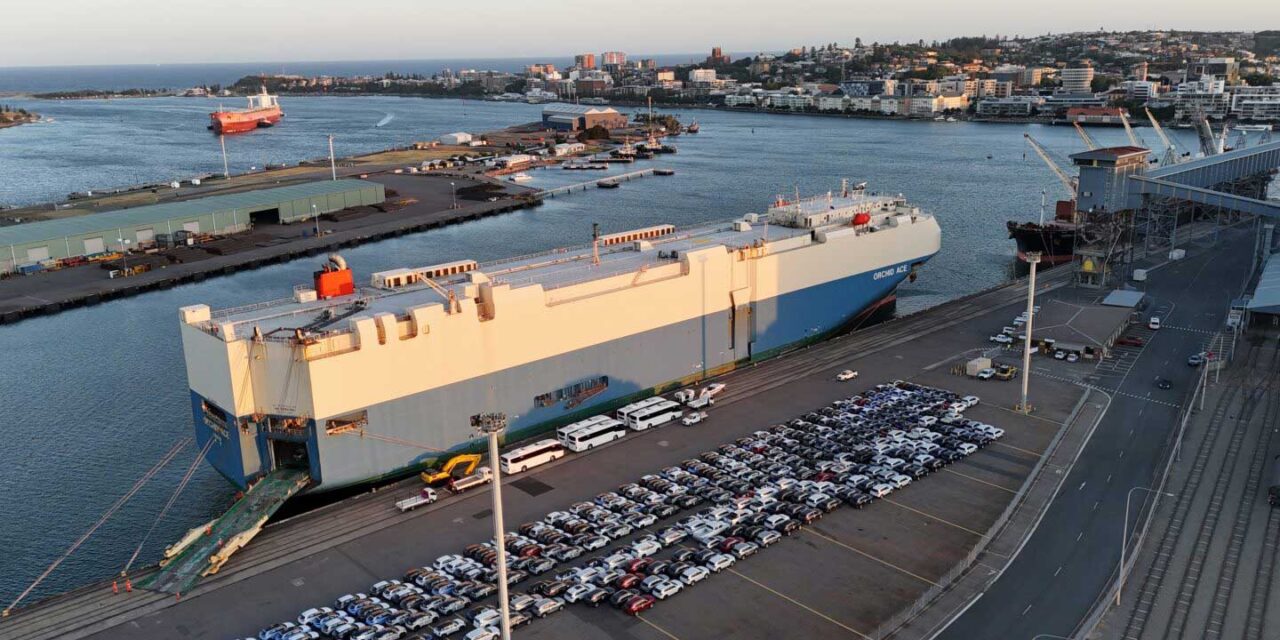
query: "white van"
1153, 323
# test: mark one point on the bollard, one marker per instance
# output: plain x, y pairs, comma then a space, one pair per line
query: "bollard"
115, 588
128, 586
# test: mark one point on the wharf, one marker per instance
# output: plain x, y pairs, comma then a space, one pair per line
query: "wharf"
312, 558
48, 293
595, 184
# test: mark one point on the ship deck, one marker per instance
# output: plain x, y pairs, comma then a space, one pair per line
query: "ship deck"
551, 269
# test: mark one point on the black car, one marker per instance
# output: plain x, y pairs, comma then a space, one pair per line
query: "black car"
657, 567
595, 597
683, 555
550, 588
1164, 383
621, 596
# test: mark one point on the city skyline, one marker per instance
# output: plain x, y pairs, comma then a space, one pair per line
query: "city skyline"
155, 32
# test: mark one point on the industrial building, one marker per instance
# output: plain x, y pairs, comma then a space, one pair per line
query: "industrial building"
141, 227
579, 117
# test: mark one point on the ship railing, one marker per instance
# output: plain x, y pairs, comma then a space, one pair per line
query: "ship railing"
248, 308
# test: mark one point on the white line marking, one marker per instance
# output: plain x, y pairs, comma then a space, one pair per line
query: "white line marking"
1082, 484
1079, 536
1055, 573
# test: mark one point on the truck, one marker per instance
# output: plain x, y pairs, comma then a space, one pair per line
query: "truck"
972, 367
685, 395
693, 418
426, 496
483, 475
704, 400
1273, 491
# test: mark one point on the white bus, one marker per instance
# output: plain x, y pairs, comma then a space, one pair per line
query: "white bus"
563, 433
531, 455
660, 413
624, 414
595, 432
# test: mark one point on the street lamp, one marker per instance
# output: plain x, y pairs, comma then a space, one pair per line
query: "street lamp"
490, 425
454, 188
124, 252
1124, 535
1033, 258
315, 215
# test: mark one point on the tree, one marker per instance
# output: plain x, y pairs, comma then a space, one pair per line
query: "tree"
594, 133
1259, 80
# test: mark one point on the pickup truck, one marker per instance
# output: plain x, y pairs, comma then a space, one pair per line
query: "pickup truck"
693, 418
704, 400
483, 475
426, 496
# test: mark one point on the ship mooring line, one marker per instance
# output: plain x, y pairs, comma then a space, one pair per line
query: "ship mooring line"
186, 478
120, 502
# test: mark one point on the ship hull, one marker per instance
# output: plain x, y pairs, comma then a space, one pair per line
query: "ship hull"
223, 122
631, 367
1055, 243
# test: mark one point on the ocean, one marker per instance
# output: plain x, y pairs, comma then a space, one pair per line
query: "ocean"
93, 397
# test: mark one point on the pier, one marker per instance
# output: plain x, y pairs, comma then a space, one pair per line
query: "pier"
595, 184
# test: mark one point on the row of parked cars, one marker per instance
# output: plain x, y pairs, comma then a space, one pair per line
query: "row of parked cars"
630, 549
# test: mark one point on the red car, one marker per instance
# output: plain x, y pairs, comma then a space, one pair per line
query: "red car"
638, 566
639, 603
626, 581
1132, 341
727, 544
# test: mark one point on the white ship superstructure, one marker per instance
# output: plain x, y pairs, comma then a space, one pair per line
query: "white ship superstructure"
549, 338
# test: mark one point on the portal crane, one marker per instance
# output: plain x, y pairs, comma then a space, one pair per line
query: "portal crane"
1128, 130
1066, 179
1084, 135
1208, 142
1170, 151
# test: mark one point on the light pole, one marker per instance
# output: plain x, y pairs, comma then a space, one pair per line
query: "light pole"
454, 189
1124, 535
492, 424
1033, 258
124, 252
315, 215
333, 166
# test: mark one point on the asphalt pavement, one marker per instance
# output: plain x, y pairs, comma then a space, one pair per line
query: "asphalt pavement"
1071, 559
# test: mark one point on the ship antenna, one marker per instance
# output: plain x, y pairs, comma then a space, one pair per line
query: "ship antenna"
595, 243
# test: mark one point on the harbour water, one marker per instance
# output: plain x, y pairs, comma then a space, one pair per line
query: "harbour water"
91, 398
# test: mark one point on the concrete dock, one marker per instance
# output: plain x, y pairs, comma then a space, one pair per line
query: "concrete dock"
904, 567
46, 293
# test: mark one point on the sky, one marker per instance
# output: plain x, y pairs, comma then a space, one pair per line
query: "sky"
83, 32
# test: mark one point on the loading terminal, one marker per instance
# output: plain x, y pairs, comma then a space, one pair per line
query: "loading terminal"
27, 246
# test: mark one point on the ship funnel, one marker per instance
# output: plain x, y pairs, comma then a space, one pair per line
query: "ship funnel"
338, 262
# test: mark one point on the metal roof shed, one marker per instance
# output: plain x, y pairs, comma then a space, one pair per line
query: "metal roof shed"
1266, 296
99, 232
1124, 298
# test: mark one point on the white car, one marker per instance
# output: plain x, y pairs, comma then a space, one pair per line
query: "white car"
575, 593
847, 374
1001, 338
972, 401
986, 374
483, 633
720, 562
967, 448
693, 418
487, 618
881, 490
1072, 357
1153, 323
645, 548
546, 606
311, 614
694, 575
665, 589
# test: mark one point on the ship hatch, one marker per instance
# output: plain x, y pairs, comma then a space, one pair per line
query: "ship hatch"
289, 455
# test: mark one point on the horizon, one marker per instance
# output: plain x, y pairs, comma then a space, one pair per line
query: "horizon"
86, 36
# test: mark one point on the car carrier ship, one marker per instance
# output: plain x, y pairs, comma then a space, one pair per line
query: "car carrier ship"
353, 384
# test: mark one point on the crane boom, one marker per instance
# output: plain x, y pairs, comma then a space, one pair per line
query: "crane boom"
448, 295
1128, 130
1084, 135
1066, 179
1170, 151
1208, 142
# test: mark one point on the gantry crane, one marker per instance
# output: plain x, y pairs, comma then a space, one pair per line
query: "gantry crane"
1170, 151
1084, 135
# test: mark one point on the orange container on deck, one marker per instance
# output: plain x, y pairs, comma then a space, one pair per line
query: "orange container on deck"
338, 282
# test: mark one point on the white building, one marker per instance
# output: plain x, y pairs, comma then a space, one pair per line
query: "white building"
831, 103
862, 103
459, 138
1256, 103
1139, 90
889, 105
791, 101
740, 101
568, 149
1011, 106
1077, 79
702, 75
1207, 97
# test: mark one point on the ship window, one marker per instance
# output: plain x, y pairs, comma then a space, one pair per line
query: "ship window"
349, 422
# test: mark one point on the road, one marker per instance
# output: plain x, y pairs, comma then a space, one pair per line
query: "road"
1071, 558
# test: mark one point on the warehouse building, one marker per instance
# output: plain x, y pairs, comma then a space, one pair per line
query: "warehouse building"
140, 227
579, 117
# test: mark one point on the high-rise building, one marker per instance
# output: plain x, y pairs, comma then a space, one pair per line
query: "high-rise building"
613, 57
585, 60
1226, 69
717, 57
1077, 79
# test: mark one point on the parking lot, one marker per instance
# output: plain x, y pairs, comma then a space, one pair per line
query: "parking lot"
841, 574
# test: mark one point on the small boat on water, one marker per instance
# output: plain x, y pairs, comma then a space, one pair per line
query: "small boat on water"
692, 128
608, 184
951, 118
664, 172
520, 177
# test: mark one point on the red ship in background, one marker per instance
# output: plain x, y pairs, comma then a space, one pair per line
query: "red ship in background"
1055, 240
263, 111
